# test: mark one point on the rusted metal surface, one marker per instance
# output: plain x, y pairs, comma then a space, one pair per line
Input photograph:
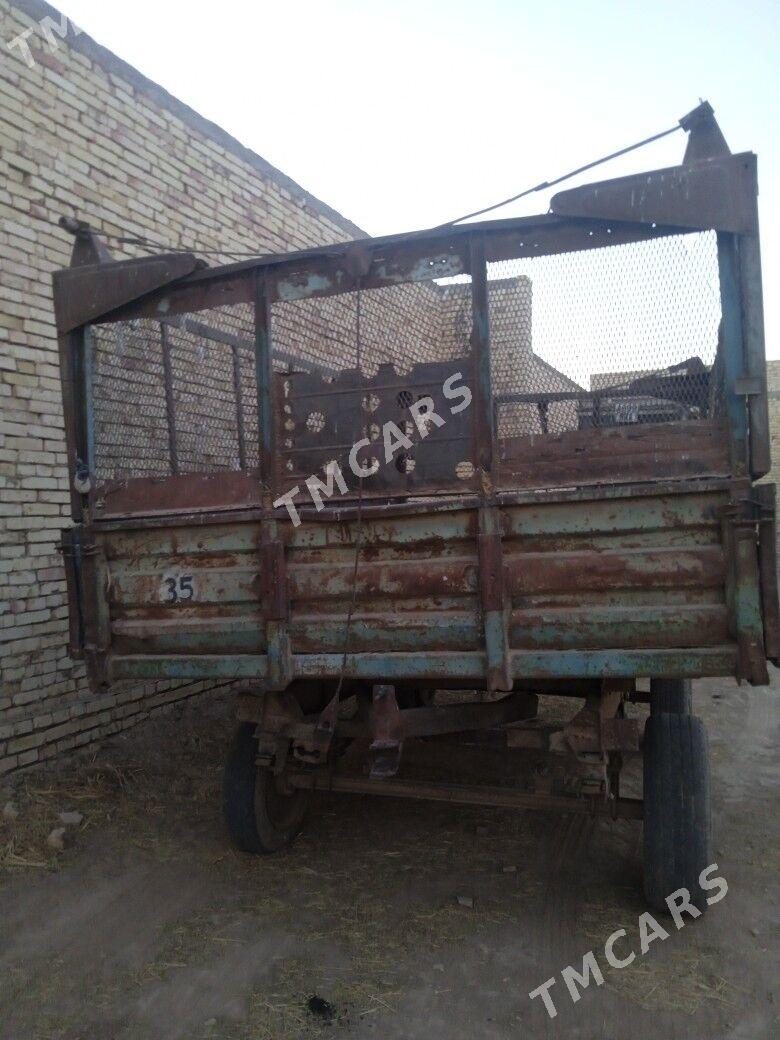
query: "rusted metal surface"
311, 744
712, 187
717, 193
583, 554
752, 308
495, 602
645, 575
88, 247
499, 797
185, 493
388, 733
616, 455
766, 495
616, 734
320, 418
705, 137
743, 591
84, 293
280, 714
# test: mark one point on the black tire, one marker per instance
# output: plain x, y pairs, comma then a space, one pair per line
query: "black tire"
671, 697
678, 826
259, 815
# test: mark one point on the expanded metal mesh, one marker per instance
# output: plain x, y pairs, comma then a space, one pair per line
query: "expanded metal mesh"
613, 336
355, 361
174, 396
616, 336
401, 325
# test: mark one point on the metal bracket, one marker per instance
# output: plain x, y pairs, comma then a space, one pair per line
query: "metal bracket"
493, 600
767, 567
315, 748
598, 729
276, 715
388, 740
749, 386
741, 533
273, 583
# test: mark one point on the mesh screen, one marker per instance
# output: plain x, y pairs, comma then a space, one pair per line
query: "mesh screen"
174, 396
402, 325
606, 337
358, 360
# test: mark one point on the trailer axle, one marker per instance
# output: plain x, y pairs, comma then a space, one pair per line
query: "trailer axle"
461, 794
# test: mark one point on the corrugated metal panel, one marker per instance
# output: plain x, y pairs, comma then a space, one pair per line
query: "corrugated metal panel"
581, 577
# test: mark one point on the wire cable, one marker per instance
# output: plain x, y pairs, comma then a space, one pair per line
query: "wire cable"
146, 243
565, 177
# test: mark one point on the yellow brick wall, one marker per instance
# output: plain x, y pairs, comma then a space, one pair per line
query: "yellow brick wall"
773, 393
83, 133
773, 389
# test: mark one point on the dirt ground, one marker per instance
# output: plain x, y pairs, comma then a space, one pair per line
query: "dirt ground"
149, 926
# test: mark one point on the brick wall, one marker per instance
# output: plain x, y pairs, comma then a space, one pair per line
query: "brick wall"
773, 387
81, 132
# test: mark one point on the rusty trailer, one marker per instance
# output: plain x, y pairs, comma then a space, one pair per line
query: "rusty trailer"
405, 488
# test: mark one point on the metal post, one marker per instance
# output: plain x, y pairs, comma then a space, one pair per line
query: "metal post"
480, 352
239, 406
89, 400
755, 353
66, 343
733, 349
170, 404
76, 369
264, 373
498, 668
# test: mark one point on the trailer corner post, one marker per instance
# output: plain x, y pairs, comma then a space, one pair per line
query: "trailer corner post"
65, 341
76, 378
751, 299
732, 342
741, 542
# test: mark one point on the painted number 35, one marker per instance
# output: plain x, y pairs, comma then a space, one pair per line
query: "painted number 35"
177, 588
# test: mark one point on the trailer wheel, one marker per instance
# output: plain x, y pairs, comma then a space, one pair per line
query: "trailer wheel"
677, 830
260, 816
671, 696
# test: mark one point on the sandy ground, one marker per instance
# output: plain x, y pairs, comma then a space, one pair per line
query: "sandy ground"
149, 926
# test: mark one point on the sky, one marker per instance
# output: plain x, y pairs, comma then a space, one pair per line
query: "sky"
407, 114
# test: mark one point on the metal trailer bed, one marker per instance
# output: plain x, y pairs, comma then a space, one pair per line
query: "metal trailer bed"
527, 534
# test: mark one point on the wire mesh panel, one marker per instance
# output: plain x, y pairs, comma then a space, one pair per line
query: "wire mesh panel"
130, 418
615, 336
606, 364
356, 363
174, 396
622, 338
